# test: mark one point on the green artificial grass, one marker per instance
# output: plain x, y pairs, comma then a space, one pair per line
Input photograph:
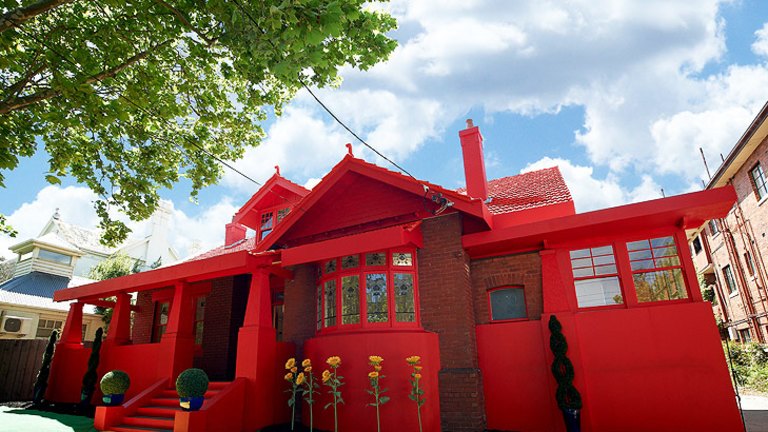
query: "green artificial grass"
24, 420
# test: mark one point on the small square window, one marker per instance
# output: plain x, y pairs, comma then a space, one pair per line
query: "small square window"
402, 259
507, 303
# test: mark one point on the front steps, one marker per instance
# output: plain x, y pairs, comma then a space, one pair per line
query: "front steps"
158, 414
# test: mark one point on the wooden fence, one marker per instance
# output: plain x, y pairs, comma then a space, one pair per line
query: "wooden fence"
20, 361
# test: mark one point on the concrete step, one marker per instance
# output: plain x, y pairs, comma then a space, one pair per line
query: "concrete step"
128, 428
149, 421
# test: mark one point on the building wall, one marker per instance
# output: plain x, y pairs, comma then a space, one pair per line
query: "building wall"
744, 230
91, 321
447, 308
513, 270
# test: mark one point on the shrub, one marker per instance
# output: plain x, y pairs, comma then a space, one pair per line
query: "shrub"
90, 377
567, 396
192, 383
41, 383
115, 382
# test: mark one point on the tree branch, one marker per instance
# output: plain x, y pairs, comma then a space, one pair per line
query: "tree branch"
25, 13
18, 103
185, 21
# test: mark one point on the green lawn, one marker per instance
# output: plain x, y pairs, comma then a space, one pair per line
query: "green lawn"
23, 420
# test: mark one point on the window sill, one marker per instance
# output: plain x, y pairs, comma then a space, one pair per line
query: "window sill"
733, 294
762, 200
603, 307
504, 321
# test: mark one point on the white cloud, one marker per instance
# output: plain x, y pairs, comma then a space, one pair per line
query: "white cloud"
592, 193
760, 46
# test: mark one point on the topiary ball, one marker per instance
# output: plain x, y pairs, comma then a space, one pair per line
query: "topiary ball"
192, 383
115, 382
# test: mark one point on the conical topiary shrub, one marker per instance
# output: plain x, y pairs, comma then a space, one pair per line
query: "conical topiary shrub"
41, 382
90, 377
568, 398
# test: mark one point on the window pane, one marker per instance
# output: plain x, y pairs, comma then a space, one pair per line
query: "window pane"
660, 285
642, 265
54, 256
266, 221
330, 266
643, 254
583, 272
581, 262
376, 297
605, 270
581, 253
402, 259
603, 250
598, 292
605, 259
264, 233
330, 303
199, 333
350, 261
350, 300
200, 309
662, 241
282, 213
404, 309
667, 262
376, 259
508, 304
637, 245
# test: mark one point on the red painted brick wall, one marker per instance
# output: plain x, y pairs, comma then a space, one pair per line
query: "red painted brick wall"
447, 308
299, 319
520, 270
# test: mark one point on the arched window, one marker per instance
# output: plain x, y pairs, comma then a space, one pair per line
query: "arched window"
370, 290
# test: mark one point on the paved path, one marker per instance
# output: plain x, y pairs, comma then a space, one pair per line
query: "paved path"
755, 410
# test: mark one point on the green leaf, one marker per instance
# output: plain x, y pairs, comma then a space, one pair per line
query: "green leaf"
52, 179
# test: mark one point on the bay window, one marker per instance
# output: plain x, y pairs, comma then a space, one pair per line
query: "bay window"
369, 290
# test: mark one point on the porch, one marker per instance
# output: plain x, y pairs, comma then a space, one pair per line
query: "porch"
164, 334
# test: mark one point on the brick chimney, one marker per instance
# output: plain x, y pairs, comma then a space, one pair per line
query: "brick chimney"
474, 163
234, 232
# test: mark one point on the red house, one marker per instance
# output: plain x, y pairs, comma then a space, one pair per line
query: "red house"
373, 262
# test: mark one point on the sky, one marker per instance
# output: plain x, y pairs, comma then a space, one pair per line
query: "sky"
620, 94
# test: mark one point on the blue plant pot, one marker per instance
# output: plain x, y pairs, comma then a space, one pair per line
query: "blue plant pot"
191, 403
113, 399
572, 419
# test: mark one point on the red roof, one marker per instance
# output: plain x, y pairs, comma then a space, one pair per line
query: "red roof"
526, 191
246, 244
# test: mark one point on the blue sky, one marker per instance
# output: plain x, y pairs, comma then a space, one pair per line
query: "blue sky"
619, 94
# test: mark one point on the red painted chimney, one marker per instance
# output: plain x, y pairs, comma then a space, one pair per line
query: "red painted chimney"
474, 163
234, 232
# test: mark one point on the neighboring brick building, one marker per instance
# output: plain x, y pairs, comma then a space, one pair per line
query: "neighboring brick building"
730, 253
373, 262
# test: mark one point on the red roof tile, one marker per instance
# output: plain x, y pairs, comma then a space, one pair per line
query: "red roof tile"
246, 244
526, 191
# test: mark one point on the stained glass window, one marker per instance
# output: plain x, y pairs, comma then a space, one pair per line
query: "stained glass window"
376, 297
350, 300
330, 303
350, 261
282, 213
376, 259
330, 266
404, 310
402, 259
199, 320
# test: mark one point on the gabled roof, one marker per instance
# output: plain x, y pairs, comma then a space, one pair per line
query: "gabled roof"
349, 164
85, 239
525, 191
277, 190
245, 244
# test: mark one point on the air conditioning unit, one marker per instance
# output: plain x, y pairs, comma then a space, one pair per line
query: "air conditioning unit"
16, 325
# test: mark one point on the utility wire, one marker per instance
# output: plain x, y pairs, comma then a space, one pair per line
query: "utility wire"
320, 102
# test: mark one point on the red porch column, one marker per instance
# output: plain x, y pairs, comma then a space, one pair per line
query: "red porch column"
120, 327
256, 347
177, 344
73, 328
